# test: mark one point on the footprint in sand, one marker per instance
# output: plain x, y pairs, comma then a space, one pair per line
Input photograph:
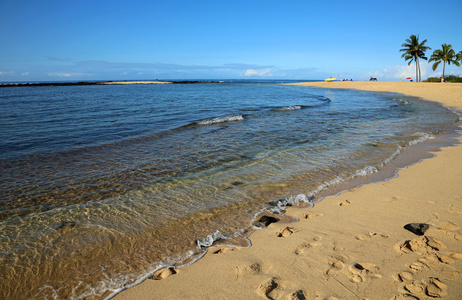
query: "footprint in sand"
362, 271
425, 243
336, 262
455, 255
297, 295
265, 289
404, 297
253, 269
336, 267
448, 226
417, 266
345, 203
164, 273
456, 208
432, 287
286, 232
405, 276
302, 247
223, 250
310, 216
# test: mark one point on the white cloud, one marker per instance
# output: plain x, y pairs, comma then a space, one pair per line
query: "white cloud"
401, 72
61, 74
6, 73
25, 74
252, 72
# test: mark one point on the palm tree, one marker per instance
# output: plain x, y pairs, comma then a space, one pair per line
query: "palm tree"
413, 50
447, 55
459, 56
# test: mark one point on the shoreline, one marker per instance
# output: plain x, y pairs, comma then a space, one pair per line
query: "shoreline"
351, 245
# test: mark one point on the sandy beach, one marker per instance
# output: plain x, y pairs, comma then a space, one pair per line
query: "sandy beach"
349, 246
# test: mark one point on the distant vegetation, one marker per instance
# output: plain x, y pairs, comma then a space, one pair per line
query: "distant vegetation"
450, 78
415, 50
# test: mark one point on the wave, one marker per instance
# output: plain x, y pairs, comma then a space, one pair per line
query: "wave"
401, 102
288, 108
219, 120
210, 239
422, 137
392, 156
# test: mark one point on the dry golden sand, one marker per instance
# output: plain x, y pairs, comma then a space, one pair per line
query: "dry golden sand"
349, 246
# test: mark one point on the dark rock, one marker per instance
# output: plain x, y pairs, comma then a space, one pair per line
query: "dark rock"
264, 221
194, 81
32, 84
417, 228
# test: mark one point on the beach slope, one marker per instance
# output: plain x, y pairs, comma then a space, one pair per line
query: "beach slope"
349, 246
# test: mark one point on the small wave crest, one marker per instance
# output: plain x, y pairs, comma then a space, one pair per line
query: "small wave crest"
365, 171
294, 201
392, 156
288, 108
421, 137
219, 120
401, 102
368, 170
210, 239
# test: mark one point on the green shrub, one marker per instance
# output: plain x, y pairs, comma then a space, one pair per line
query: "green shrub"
450, 78
453, 78
433, 79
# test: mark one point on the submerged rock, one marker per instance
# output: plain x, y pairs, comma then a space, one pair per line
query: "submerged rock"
264, 221
417, 228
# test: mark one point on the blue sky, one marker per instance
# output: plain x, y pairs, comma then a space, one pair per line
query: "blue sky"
120, 40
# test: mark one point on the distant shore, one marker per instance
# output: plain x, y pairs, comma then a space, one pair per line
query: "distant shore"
104, 83
450, 94
136, 82
349, 246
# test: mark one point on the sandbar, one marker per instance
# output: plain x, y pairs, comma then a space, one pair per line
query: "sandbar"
349, 246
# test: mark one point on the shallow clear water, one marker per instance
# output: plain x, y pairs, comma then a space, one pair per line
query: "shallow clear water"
102, 185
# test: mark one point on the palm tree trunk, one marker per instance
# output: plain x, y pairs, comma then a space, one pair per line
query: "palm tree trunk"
444, 66
420, 73
417, 70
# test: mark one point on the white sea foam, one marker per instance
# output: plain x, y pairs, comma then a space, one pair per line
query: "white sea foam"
336, 180
392, 156
210, 239
298, 199
288, 108
365, 171
422, 137
219, 120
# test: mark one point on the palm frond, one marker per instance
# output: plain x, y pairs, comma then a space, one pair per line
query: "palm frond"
435, 65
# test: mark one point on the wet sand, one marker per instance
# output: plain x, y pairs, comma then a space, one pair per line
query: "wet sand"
349, 246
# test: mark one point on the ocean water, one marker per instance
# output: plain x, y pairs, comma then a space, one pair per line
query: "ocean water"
102, 185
